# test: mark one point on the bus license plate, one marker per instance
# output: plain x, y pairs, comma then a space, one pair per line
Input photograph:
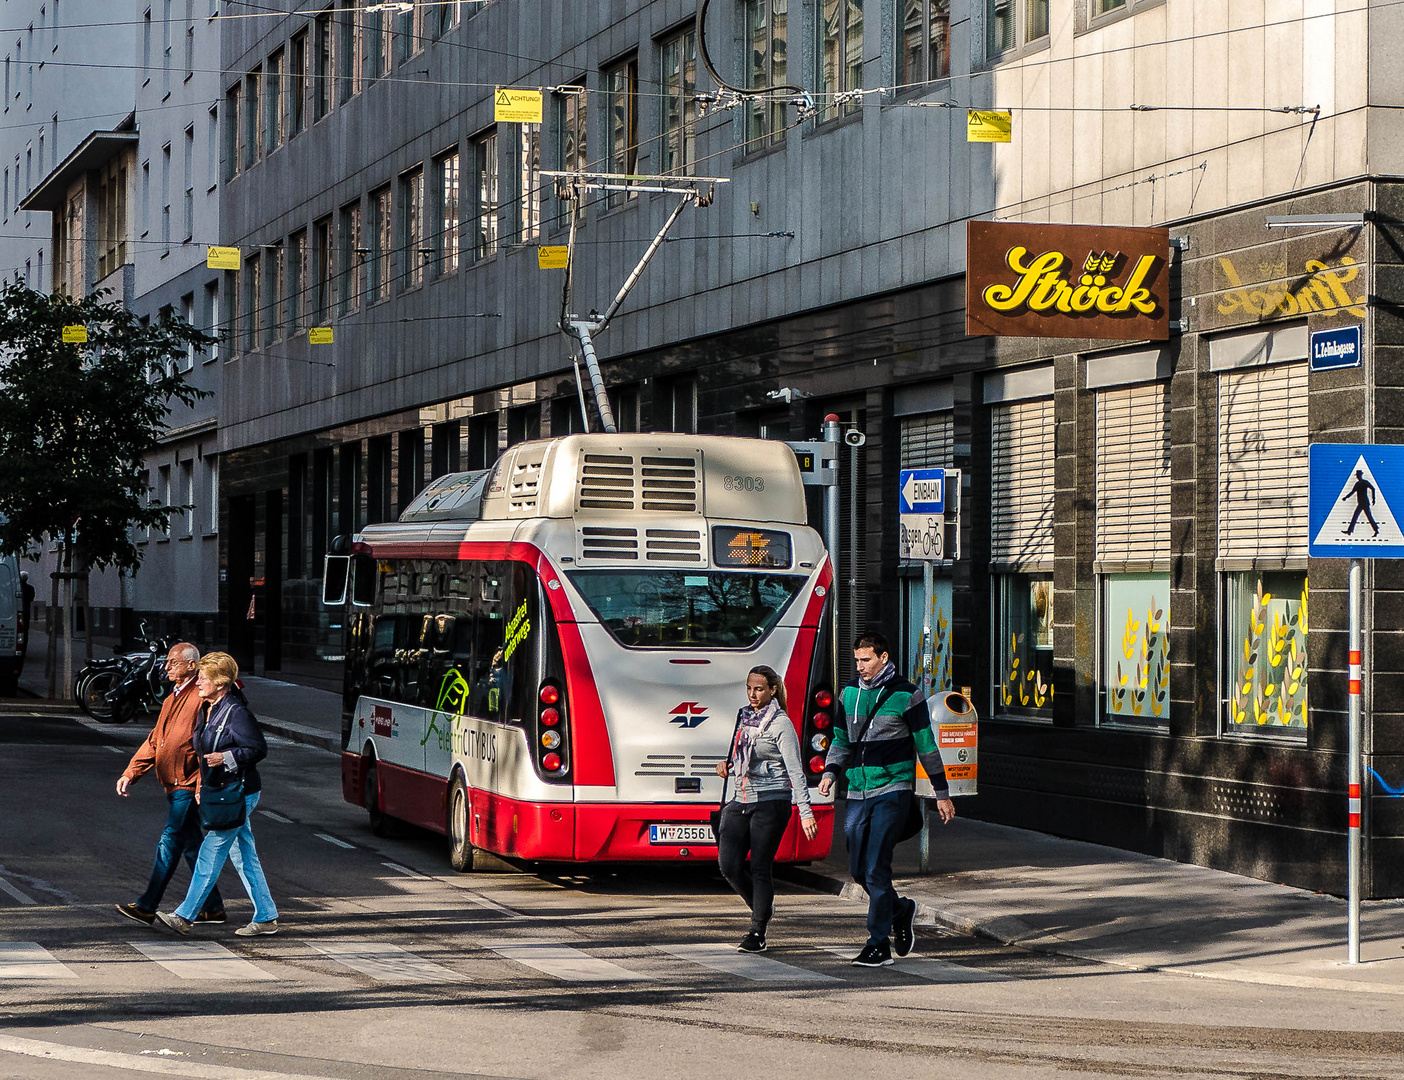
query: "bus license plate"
681, 834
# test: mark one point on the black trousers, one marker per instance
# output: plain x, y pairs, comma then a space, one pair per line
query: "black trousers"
757, 828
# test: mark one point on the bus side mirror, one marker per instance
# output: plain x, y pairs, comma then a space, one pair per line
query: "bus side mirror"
363, 585
336, 571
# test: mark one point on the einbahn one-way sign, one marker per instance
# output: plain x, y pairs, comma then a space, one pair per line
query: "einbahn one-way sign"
921, 506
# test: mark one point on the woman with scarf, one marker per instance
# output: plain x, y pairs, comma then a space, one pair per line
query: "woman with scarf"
767, 776
230, 744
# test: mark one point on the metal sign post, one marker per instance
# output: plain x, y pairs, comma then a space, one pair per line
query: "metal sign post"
1355, 494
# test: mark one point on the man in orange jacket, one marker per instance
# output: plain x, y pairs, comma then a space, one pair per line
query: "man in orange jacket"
170, 749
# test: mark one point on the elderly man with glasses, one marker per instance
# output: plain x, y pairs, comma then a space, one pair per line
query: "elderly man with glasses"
170, 750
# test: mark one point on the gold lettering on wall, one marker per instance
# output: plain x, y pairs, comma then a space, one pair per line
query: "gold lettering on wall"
1320, 288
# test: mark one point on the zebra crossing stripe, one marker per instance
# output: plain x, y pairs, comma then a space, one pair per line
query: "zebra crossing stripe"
387, 963
30, 960
201, 960
930, 968
757, 968
562, 962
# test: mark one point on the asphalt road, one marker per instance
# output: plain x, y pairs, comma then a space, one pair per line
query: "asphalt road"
392, 966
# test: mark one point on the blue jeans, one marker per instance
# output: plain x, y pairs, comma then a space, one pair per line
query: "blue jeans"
181, 836
870, 830
236, 844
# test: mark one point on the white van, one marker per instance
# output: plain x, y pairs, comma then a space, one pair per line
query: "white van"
13, 629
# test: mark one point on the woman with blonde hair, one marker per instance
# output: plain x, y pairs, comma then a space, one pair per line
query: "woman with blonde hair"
765, 762
229, 744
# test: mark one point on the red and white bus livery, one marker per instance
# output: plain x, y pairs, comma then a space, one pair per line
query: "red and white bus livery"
544, 660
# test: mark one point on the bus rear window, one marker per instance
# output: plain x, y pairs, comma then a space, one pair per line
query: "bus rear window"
683, 609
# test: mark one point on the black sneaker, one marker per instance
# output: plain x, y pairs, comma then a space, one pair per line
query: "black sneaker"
903, 934
220, 917
752, 942
136, 914
874, 956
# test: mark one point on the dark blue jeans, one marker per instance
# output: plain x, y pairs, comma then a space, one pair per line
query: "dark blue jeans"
181, 836
870, 831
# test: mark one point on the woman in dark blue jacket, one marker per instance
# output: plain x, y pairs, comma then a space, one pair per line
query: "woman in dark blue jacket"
230, 744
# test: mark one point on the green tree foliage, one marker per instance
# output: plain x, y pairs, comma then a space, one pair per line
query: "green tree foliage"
76, 420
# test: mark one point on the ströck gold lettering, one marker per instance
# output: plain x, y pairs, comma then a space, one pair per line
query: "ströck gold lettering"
1043, 287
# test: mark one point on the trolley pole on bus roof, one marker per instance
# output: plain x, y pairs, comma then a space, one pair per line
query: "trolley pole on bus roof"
570, 186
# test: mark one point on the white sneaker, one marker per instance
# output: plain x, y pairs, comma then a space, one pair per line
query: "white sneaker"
257, 929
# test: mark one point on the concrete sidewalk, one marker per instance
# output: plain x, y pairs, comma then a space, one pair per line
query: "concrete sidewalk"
1133, 911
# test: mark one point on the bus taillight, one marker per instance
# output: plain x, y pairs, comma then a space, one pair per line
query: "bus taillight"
551, 740
816, 728
823, 699
816, 764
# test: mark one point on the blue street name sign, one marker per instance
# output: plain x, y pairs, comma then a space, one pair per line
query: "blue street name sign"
921, 491
1338, 348
1356, 493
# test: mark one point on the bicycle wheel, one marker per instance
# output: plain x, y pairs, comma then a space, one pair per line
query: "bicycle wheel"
92, 697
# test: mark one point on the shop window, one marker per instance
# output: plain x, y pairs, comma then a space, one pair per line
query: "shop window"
1024, 645
1136, 653
1265, 652
914, 653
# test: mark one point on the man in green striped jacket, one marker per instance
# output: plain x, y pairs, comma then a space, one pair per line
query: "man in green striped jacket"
881, 727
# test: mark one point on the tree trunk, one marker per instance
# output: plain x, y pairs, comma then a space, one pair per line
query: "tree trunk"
67, 689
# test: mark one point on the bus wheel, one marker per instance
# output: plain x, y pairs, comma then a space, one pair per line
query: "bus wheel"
370, 796
460, 849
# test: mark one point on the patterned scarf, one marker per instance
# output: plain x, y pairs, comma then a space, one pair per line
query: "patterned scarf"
752, 721
881, 678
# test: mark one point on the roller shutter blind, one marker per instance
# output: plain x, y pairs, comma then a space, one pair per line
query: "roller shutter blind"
928, 441
1133, 474
1021, 483
1263, 442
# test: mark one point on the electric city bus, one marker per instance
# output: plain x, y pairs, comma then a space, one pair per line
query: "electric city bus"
545, 659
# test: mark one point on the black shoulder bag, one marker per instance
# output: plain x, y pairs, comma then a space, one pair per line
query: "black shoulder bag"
222, 805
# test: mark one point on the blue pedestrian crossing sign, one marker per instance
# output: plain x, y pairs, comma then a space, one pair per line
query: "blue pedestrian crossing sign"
1355, 491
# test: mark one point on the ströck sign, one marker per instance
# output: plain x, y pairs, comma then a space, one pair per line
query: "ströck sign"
1075, 281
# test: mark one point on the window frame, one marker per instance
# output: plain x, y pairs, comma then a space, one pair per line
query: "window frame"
919, 81
487, 195
619, 86
410, 240
1022, 39
756, 136
844, 80
445, 225
678, 101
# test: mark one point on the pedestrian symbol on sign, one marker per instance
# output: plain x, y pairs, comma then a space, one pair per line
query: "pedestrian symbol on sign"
1360, 514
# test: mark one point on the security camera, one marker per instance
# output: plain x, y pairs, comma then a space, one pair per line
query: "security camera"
854, 437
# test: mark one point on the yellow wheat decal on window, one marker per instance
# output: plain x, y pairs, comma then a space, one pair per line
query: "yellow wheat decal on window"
1142, 678
1270, 687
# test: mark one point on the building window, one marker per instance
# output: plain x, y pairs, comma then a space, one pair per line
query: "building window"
189, 35
166, 197
187, 312
926, 41
252, 294
766, 31
376, 44
528, 175
621, 86
145, 47
275, 104
1024, 606
112, 219
322, 253
253, 117
1133, 552
412, 248
348, 53
350, 260
409, 32
675, 404
928, 441
382, 245
322, 58
297, 83
484, 209
209, 320
187, 495
443, 19
233, 132
166, 48
188, 216
212, 145
1265, 649
297, 281
678, 78
1009, 24
212, 494
445, 245
840, 56
571, 137
144, 202
274, 295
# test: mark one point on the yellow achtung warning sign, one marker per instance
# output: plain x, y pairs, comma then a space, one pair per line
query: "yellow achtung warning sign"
552, 258
982, 125
516, 106
222, 258
75, 335
319, 335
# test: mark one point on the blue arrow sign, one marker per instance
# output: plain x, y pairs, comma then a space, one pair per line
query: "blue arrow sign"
1353, 492
921, 491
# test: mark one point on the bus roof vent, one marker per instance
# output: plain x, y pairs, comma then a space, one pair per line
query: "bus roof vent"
669, 484
523, 486
607, 482
615, 545
673, 545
